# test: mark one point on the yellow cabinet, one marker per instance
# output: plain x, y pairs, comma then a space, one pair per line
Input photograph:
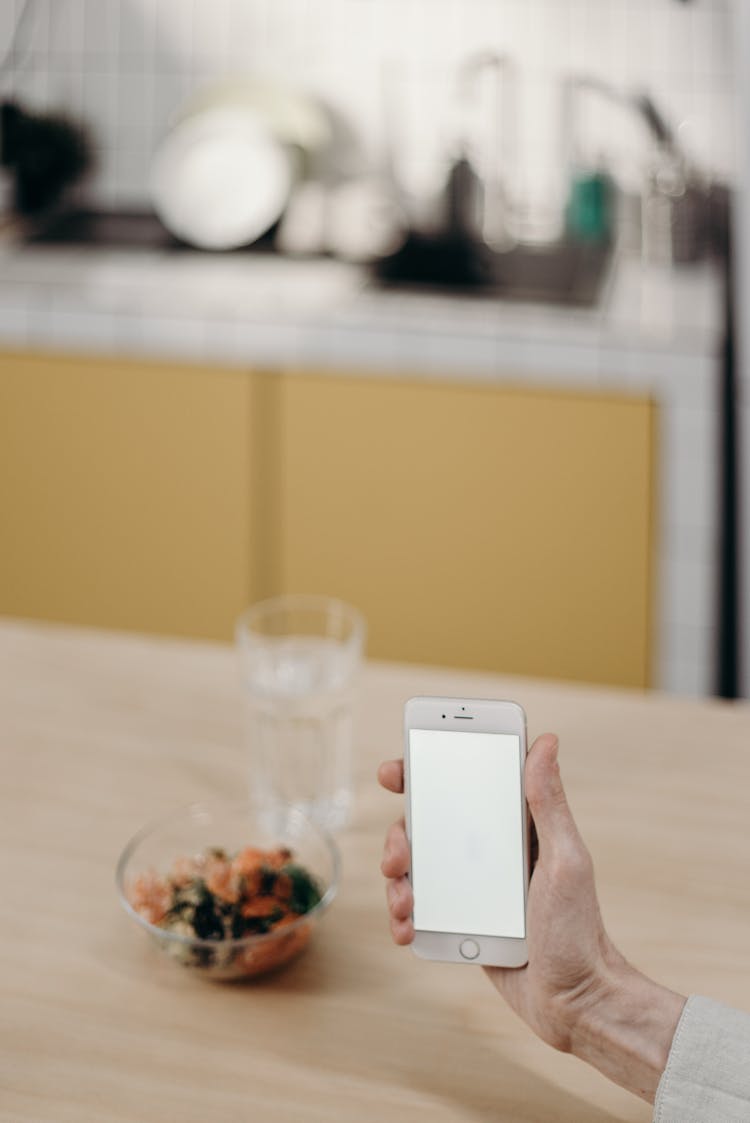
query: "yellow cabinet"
476, 526
480, 526
125, 494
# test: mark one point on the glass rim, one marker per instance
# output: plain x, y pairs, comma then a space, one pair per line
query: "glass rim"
301, 602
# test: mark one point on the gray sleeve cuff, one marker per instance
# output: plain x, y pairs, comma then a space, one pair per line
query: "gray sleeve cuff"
707, 1078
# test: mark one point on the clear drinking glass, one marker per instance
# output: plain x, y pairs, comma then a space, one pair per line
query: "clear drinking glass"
300, 656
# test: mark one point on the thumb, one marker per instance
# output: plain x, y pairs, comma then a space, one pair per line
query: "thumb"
545, 793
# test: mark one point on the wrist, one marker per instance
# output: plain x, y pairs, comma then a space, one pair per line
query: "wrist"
625, 1028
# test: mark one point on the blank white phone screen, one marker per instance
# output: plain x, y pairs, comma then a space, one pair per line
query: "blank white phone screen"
466, 832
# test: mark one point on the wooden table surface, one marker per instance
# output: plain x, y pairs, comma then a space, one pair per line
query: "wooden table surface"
102, 732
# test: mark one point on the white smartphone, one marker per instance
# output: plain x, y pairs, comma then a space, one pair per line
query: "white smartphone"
468, 829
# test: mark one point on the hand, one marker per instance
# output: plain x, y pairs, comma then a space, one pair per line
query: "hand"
576, 987
568, 948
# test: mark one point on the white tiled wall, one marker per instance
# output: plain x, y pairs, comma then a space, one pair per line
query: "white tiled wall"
127, 65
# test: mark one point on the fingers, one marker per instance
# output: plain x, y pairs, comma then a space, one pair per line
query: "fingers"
391, 775
402, 931
546, 796
395, 861
395, 865
400, 898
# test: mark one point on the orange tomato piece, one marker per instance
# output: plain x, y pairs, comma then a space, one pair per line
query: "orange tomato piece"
287, 918
283, 887
259, 907
278, 857
248, 859
222, 880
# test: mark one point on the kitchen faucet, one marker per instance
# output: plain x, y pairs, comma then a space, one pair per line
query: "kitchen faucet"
477, 193
674, 215
574, 85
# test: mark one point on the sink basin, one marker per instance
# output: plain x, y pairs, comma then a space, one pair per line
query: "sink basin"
563, 272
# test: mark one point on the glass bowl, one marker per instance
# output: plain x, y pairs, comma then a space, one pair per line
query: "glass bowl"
202, 827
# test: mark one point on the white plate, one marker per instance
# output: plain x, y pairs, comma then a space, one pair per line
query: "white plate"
220, 179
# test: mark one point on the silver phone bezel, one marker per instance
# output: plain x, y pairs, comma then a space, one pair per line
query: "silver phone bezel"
479, 715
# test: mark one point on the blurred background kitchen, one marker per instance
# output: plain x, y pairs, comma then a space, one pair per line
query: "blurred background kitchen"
425, 304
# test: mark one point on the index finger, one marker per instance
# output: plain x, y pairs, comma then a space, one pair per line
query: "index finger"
391, 775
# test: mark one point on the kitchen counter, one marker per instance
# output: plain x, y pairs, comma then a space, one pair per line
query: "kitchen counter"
259, 309
656, 333
102, 732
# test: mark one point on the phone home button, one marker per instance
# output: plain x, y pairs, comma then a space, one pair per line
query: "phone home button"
469, 949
